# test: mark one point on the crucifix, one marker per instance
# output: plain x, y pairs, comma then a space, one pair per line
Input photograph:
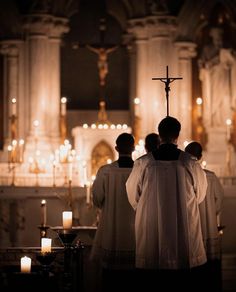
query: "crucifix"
167, 80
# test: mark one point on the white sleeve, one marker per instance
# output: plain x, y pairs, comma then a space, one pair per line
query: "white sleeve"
98, 189
133, 184
201, 182
218, 194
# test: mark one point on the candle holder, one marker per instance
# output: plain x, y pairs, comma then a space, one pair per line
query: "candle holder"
66, 236
43, 230
45, 259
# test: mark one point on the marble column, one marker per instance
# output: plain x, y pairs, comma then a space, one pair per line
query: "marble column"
139, 69
10, 50
186, 51
161, 54
60, 26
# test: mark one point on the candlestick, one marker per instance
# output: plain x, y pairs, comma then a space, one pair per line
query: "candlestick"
67, 219
70, 169
46, 245
13, 101
25, 264
43, 212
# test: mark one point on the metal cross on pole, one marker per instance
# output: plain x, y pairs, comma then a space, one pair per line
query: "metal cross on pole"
167, 80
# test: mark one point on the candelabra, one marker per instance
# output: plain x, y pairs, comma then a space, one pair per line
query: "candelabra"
36, 163
16, 147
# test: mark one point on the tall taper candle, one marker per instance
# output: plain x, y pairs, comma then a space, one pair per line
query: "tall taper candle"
43, 213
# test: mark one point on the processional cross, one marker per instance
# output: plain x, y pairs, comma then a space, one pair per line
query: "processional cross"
167, 80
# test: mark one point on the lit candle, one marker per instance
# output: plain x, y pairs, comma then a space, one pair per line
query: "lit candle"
36, 125
25, 264
137, 106
88, 192
67, 219
228, 128
46, 244
43, 212
199, 107
85, 171
13, 101
63, 106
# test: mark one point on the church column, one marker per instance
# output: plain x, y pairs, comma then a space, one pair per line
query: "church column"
186, 51
138, 29
161, 54
60, 26
10, 50
37, 27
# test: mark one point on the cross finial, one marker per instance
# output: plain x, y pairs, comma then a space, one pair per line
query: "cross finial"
167, 80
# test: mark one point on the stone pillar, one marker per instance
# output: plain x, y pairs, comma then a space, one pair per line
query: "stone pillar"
10, 50
37, 27
59, 27
43, 39
139, 68
154, 51
161, 54
186, 51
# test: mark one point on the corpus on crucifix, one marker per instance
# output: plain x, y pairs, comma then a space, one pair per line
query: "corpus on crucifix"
167, 80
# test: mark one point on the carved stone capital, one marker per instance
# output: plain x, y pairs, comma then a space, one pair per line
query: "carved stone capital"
10, 48
138, 28
59, 27
38, 24
186, 50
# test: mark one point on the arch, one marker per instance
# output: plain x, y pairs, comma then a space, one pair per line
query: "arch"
100, 154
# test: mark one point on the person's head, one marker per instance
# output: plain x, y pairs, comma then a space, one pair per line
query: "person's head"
169, 129
152, 142
195, 149
217, 36
125, 144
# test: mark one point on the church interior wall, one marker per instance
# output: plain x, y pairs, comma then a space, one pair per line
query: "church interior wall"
131, 68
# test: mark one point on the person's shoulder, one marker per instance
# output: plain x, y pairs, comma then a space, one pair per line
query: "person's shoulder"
144, 158
108, 167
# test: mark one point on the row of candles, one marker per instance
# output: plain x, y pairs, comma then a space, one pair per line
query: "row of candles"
46, 243
66, 216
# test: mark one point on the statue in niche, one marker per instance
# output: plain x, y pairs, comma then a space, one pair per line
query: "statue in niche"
102, 61
100, 154
217, 71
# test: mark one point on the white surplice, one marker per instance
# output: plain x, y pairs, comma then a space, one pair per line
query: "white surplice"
114, 242
209, 209
165, 195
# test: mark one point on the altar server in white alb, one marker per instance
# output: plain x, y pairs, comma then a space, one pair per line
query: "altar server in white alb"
114, 243
210, 208
165, 188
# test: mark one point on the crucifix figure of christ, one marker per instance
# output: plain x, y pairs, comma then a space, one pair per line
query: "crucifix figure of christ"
102, 53
167, 80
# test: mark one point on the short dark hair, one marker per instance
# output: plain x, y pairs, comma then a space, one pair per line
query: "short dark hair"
169, 129
195, 149
152, 142
125, 143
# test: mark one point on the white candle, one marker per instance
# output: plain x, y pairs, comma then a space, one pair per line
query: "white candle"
199, 107
228, 128
43, 212
88, 192
46, 244
67, 219
25, 264
13, 101
137, 106
63, 106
